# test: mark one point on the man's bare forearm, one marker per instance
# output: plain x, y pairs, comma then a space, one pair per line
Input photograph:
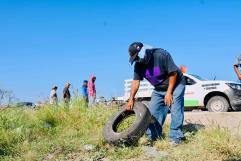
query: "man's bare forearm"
237, 71
172, 82
134, 88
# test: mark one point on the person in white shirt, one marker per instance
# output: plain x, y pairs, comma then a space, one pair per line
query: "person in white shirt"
237, 65
53, 96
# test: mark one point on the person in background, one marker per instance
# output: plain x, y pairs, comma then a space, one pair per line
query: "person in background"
66, 94
85, 91
183, 69
91, 90
237, 65
53, 96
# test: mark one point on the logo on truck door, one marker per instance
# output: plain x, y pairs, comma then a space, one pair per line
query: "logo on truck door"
210, 86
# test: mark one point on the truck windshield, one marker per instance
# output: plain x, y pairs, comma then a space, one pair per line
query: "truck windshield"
198, 77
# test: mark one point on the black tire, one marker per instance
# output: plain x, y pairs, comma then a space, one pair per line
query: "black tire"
218, 104
132, 134
147, 103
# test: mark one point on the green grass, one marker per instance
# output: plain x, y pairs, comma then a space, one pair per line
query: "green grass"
59, 133
126, 123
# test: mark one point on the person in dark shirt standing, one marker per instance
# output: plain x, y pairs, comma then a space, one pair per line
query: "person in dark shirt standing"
66, 94
157, 66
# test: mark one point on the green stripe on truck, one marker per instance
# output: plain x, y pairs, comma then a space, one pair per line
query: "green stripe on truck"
191, 102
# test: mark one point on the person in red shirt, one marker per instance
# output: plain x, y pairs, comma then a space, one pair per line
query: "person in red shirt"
92, 90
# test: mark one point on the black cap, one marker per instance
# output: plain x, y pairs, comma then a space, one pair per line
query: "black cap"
54, 87
134, 48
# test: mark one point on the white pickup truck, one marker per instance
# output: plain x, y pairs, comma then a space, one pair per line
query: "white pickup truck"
214, 95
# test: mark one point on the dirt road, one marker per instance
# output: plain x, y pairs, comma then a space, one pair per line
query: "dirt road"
228, 120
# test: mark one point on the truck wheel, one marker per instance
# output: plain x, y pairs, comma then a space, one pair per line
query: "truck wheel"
218, 104
132, 134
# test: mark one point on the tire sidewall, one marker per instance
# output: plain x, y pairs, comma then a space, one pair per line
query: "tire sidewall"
134, 132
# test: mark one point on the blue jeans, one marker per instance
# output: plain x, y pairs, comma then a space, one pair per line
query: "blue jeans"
159, 112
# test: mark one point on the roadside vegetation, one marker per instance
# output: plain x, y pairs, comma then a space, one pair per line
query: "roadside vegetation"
75, 133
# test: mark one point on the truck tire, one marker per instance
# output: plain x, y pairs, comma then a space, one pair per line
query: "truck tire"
132, 134
218, 104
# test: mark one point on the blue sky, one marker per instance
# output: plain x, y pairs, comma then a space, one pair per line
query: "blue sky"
50, 42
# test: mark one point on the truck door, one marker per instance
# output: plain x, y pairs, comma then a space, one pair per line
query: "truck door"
191, 95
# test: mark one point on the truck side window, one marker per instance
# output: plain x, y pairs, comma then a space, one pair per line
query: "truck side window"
189, 81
